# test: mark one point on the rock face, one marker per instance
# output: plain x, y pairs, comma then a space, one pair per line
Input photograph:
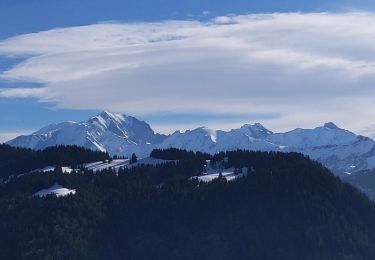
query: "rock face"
340, 150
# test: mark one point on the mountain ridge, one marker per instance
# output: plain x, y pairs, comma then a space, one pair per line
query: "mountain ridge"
338, 149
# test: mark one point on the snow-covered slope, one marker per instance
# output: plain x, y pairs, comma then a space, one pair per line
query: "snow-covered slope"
340, 150
110, 132
123, 163
57, 190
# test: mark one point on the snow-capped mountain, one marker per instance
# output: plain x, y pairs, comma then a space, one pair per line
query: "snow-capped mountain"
251, 137
111, 132
340, 150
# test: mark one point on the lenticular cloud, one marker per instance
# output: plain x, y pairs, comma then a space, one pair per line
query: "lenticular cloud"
293, 63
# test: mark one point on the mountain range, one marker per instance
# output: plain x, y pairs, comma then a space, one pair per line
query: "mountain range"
342, 151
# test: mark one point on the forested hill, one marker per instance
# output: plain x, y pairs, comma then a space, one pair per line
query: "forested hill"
287, 207
15, 161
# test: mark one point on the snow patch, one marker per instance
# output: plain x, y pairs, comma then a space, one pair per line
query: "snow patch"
57, 190
65, 169
124, 163
213, 172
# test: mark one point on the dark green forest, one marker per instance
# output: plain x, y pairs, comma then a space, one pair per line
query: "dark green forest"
14, 161
287, 207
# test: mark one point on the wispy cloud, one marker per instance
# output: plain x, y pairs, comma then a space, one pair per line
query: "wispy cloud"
38, 93
308, 68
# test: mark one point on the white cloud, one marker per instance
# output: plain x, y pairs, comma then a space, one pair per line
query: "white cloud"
224, 20
22, 92
309, 68
6, 136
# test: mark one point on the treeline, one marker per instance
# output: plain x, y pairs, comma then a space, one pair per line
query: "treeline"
178, 154
14, 161
264, 160
190, 163
289, 207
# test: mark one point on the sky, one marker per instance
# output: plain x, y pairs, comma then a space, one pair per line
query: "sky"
184, 64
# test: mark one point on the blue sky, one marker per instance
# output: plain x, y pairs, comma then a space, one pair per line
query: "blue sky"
24, 16
21, 114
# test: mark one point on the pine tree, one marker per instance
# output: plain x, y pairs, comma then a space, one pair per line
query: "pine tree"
133, 159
